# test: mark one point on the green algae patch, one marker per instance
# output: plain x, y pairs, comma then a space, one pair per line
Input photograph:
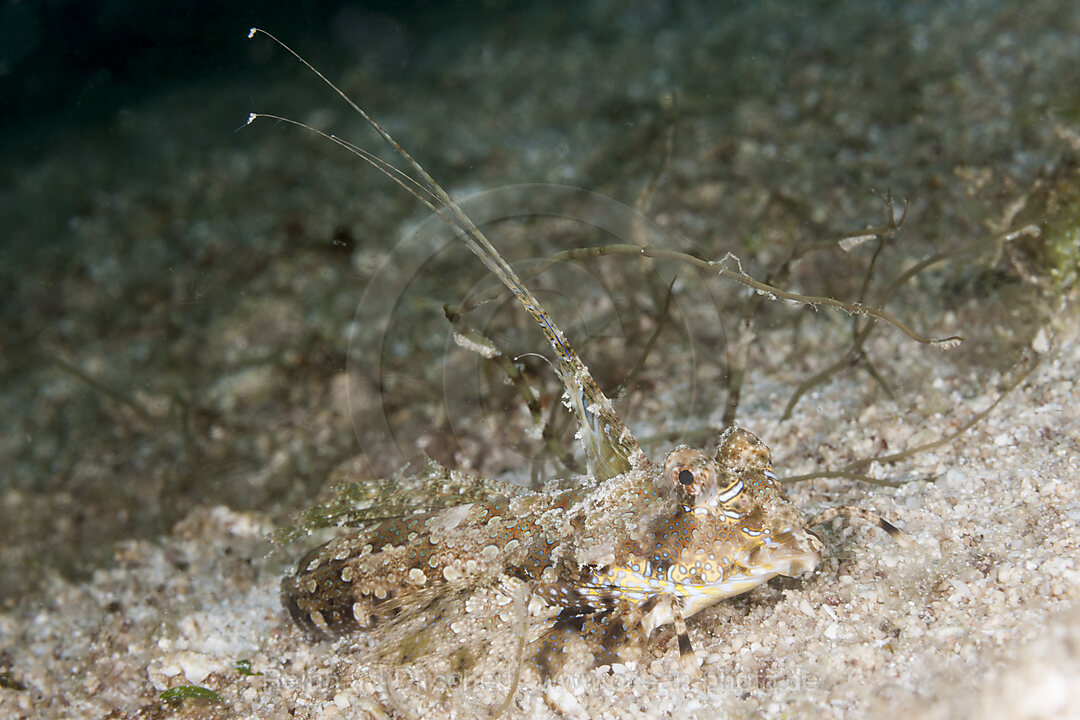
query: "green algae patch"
1044, 248
244, 668
181, 694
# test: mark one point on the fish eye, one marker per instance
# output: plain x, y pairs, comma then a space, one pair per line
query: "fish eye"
686, 477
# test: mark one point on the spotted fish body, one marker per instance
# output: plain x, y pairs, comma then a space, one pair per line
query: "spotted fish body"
612, 560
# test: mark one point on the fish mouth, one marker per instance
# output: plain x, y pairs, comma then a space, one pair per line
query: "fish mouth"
790, 552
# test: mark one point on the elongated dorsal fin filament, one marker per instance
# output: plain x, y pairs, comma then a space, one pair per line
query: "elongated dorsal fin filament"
610, 448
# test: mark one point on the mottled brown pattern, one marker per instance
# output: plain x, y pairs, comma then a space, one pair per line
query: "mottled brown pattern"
613, 561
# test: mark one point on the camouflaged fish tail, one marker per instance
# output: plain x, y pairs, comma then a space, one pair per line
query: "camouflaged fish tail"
632, 547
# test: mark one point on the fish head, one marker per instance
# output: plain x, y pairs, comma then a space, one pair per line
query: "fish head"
734, 518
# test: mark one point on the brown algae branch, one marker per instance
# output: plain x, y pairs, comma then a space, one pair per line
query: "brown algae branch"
1027, 365
740, 276
436, 199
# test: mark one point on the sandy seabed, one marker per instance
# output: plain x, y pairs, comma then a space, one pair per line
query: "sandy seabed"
177, 379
